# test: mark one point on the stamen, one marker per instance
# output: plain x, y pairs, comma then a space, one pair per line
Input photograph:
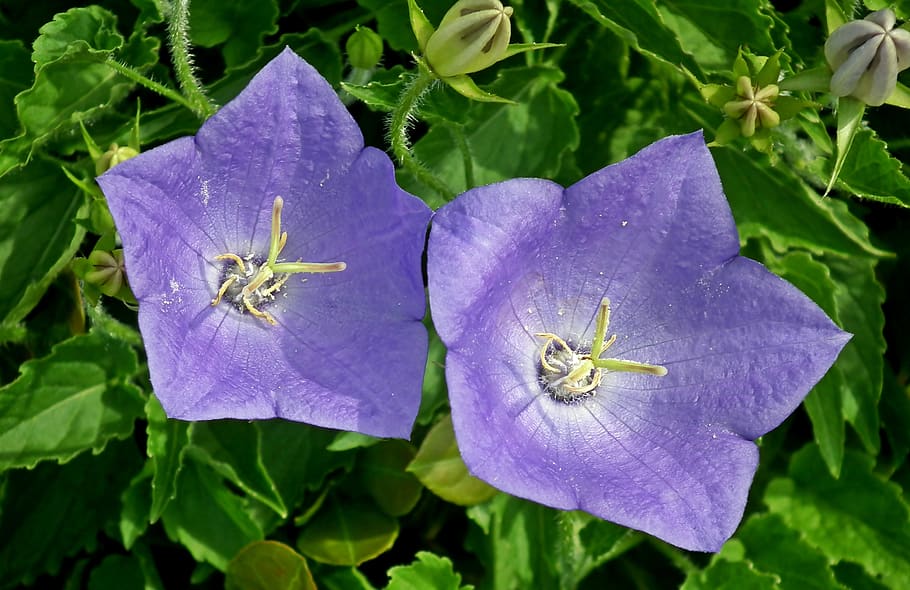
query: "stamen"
224, 287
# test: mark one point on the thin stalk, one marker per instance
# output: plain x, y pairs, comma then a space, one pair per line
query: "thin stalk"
131, 74
179, 41
400, 122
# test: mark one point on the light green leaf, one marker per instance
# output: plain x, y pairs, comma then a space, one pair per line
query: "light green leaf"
869, 171
382, 470
167, 442
849, 117
74, 400
88, 29
268, 565
638, 23
207, 518
232, 448
347, 534
771, 202
724, 574
427, 571
438, 466
76, 501
137, 504
858, 517
38, 236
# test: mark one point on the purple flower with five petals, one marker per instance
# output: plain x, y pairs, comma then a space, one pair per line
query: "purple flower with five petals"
277, 263
610, 351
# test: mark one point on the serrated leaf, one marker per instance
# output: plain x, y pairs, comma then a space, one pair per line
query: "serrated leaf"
239, 26
730, 575
74, 400
638, 23
438, 466
35, 201
347, 534
89, 28
869, 171
858, 517
53, 511
771, 202
232, 448
207, 518
383, 474
167, 443
268, 565
427, 571
506, 141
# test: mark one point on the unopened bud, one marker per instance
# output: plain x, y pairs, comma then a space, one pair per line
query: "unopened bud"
364, 48
112, 157
753, 106
108, 272
866, 56
473, 35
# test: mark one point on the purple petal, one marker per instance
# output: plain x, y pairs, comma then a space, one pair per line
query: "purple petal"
668, 455
348, 350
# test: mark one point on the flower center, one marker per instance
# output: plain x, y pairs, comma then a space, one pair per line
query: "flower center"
569, 375
251, 283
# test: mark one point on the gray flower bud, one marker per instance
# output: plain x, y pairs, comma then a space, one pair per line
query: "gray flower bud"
866, 56
473, 35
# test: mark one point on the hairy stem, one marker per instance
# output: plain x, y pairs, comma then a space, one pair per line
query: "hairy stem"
131, 74
400, 122
179, 40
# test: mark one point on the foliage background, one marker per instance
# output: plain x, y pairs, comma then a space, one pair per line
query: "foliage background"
99, 490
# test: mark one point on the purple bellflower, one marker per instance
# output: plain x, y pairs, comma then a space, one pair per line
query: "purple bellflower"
277, 263
610, 351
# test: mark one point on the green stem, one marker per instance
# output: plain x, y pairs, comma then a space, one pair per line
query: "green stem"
457, 133
131, 74
400, 122
179, 38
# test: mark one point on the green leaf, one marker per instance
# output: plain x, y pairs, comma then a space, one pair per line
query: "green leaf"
347, 534
232, 448
869, 171
540, 129
73, 400
858, 517
438, 466
849, 118
53, 511
427, 571
638, 23
344, 579
91, 28
137, 503
207, 518
519, 544
730, 575
268, 565
434, 392
17, 76
167, 443
714, 32
383, 474
771, 202
240, 26
116, 572
36, 201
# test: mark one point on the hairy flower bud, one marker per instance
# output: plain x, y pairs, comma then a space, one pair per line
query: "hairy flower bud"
866, 56
473, 35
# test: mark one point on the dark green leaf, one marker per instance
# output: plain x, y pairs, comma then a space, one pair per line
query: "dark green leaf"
117, 572
268, 565
37, 235
71, 401
240, 26
232, 448
16, 76
858, 517
438, 466
137, 504
427, 571
167, 443
207, 518
638, 23
347, 533
384, 477
76, 500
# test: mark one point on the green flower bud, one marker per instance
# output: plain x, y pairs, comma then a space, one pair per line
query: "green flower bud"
112, 157
364, 48
753, 106
866, 56
473, 35
108, 272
